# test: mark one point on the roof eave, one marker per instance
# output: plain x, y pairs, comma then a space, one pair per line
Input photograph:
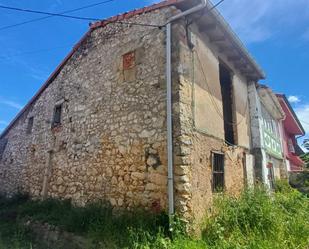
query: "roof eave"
287, 102
258, 70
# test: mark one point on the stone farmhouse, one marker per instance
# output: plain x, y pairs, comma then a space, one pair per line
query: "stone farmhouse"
140, 120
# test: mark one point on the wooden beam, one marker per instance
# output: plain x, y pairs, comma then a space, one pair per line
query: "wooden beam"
208, 27
234, 58
224, 49
240, 64
246, 70
246, 73
217, 39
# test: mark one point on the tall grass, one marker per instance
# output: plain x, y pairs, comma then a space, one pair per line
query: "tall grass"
256, 220
260, 220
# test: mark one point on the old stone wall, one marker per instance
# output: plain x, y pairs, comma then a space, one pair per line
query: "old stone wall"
111, 143
201, 129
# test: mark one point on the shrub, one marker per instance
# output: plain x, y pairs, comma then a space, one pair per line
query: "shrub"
259, 219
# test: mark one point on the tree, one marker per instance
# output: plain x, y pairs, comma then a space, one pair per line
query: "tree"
305, 157
306, 143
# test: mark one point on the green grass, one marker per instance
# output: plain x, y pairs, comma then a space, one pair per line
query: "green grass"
256, 220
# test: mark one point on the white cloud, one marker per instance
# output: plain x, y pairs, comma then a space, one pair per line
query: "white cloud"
303, 115
294, 99
259, 20
10, 103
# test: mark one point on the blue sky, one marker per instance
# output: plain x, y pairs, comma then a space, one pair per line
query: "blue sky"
275, 32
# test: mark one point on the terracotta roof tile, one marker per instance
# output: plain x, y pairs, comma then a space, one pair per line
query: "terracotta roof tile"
127, 15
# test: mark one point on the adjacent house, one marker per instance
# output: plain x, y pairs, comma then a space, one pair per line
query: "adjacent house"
266, 118
291, 127
150, 109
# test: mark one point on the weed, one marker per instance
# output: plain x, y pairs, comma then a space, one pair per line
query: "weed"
256, 220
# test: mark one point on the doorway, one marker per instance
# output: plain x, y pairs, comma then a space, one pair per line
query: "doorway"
228, 104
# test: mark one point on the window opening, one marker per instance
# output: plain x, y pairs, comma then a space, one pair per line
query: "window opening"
228, 104
217, 172
57, 115
30, 125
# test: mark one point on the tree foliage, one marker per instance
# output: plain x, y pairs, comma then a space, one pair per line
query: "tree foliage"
306, 143
305, 157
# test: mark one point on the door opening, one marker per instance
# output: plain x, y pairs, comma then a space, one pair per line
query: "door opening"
228, 104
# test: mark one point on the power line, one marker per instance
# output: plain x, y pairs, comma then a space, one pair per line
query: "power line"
62, 14
47, 17
48, 13
216, 5
206, 11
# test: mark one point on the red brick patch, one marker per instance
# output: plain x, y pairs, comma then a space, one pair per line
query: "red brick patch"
129, 60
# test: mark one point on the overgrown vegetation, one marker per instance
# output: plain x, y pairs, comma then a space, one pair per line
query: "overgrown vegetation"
255, 220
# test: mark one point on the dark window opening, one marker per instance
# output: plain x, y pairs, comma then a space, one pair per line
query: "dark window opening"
3, 143
30, 125
217, 172
57, 116
228, 104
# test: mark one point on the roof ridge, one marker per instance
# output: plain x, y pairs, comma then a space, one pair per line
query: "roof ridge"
132, 13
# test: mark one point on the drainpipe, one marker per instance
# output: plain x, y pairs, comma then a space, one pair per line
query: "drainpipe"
171, 208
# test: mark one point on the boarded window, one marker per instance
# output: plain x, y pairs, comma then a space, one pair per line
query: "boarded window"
57, 116
128, 60
3, 143
30, 125
217, 172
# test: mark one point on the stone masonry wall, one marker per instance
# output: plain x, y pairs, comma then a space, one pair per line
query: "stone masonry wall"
111, 144
194, 145
112, 140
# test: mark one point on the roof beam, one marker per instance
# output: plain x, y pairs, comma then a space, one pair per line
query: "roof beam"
208, 27
234, 58
217, 39
224, 48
